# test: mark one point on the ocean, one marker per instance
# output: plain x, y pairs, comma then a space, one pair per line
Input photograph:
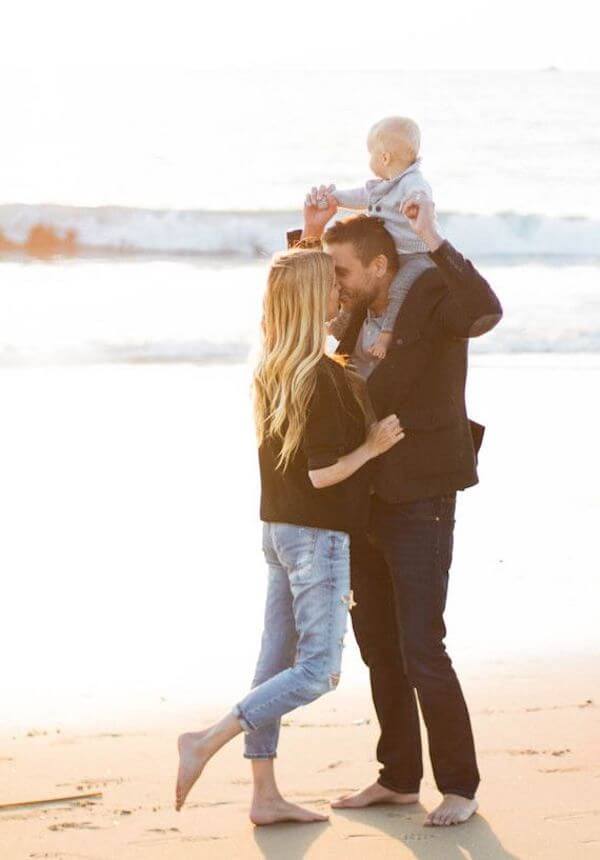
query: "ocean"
170, 191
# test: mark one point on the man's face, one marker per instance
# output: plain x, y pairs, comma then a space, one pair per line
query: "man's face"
356, 282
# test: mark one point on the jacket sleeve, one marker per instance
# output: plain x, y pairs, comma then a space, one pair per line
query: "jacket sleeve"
469, 307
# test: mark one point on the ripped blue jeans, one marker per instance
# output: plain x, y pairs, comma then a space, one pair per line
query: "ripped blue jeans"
306, 613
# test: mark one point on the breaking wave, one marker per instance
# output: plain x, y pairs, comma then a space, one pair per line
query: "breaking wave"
113, 230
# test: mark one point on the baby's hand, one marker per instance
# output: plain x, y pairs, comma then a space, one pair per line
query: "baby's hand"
380, 347
322, 197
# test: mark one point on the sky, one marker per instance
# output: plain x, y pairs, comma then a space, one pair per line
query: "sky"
463, 34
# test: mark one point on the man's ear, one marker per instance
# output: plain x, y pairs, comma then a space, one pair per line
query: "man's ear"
380, 264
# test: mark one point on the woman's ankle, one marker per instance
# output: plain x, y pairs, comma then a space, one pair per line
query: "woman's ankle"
265, 788
264, 796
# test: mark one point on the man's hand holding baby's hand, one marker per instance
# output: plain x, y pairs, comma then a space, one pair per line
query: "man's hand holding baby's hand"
320, 196
319, 207
420, 213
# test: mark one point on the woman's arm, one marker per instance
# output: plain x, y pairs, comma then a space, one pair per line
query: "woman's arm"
380, 438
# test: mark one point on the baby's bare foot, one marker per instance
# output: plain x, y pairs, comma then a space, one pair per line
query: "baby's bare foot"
453, 809
194, 752
275, 810
372, 795
380, 347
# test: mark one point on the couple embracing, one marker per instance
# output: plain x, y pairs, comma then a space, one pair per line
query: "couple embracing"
361, 457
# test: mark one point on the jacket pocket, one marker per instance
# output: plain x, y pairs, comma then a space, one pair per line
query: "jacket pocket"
437, 449
428, 418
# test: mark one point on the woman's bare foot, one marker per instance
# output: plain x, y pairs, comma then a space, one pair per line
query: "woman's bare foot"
276, 809
453, 809
194, 752
372, 795
196, 748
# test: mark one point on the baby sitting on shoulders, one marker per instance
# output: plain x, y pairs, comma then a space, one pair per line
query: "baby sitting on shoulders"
393, 144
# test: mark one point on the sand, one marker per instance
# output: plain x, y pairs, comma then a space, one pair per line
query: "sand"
132, 614
538, 732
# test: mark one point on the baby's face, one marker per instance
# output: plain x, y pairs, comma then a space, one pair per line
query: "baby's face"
376, 161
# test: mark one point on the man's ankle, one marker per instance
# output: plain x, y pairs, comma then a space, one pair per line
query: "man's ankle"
394, 790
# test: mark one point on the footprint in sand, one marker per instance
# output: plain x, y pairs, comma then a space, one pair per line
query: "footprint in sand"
537, 752
572, 816
74, 825
559, 769
403, 816
208, 804
363, 836
416, 837
332, 766
169, 837
87, 784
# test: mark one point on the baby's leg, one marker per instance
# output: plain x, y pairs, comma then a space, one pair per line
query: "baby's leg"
411, 267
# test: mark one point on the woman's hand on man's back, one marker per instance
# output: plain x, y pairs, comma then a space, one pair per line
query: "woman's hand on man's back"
384, 434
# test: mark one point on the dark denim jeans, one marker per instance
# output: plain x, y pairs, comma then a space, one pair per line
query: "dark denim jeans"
400, 580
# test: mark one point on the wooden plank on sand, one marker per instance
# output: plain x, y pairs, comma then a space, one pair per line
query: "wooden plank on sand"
49, 800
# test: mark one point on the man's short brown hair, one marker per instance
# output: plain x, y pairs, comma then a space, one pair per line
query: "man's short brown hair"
368, 237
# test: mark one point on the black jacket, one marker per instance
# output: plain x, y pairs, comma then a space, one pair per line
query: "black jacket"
422, 379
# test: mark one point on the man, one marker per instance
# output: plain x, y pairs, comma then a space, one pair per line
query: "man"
400, 568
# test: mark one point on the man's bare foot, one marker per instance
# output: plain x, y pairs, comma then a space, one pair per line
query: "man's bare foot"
276, 809
194, 752
372, 795
453, 809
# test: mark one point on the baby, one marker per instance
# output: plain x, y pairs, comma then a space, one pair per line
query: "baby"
393, 145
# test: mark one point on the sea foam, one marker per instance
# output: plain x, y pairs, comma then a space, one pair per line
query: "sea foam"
112, 230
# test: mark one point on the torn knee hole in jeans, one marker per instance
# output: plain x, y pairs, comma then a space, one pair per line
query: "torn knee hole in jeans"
349, 600
334, 680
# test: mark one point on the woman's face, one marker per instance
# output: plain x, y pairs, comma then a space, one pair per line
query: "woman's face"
333, 302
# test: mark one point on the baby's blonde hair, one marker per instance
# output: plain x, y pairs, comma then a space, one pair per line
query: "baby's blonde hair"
396, 132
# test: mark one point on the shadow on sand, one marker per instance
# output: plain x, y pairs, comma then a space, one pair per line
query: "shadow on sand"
475, 839
274, 842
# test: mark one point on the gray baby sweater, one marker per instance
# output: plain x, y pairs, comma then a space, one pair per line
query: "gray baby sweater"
383, 198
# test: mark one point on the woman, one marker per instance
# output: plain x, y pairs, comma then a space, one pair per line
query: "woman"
314, 444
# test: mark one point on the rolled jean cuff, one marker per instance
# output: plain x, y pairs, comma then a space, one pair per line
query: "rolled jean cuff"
396, 790
244, 723
260, 756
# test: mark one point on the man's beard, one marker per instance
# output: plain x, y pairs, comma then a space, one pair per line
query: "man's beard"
354, 298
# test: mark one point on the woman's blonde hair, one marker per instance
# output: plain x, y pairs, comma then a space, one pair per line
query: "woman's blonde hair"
293, 343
